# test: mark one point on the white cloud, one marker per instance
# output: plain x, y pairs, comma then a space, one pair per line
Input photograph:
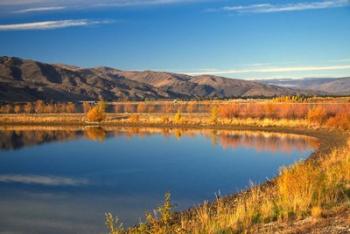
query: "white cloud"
270, 70
40, 9
301, 6
45, 25
37, 6
89, 3
42, 180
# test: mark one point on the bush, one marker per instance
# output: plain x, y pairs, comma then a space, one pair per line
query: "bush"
340, 120
97, 113
178, 118
214, 115
317, 115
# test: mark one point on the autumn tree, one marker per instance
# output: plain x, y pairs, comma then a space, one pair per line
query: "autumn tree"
49, 108
141, 107
151, 108
191, 107
7, 109
118, 108
340, 120
317, 115
97, 113
178, 117
39, 106
228, 111
214, 113
17, 109
28, 107
86, 107
70, 107
60, 108
168, 108
130, 108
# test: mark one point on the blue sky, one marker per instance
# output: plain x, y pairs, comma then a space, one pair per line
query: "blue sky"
238, 38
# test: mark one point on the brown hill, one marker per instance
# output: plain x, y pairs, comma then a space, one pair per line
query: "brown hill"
27, 80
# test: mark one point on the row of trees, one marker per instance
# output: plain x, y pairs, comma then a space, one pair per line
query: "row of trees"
39, 107
279, 111
337, 115
290, 99
142, 107
167, 107
313, 112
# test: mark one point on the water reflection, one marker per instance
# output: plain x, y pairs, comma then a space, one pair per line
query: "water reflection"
18, 137
63, 179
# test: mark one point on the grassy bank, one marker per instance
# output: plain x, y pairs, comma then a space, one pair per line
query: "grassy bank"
172, 120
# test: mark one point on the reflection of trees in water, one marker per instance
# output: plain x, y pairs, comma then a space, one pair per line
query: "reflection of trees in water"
95, 133
271, 142
18, 137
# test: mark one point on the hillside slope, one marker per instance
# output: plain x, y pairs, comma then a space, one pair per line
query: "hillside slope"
28, 80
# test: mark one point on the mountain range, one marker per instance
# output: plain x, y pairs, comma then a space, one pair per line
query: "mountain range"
332, 86
29, 80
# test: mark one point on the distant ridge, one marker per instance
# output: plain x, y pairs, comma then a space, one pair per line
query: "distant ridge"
334, 86
28, 80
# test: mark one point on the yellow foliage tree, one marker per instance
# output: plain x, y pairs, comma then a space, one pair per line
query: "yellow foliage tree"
214, 113
178, 118
317, 115
97, 113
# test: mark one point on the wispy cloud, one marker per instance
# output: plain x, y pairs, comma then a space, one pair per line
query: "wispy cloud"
40, 9
122, 3
271, 8
271, 70
42, 180
40, 6
45, 25
89, 3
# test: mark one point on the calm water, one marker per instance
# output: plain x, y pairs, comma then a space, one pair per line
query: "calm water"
59, 180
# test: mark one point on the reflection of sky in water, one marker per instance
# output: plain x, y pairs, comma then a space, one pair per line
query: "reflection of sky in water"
67, 186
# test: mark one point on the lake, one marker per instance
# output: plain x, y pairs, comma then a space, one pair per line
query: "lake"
63, 179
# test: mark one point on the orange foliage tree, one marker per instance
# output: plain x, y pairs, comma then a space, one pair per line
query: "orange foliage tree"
17, 109
340, 120
70, 107
28, 108
97, 113
86, 107
141, 107
317, 115
39, 106
118, 108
